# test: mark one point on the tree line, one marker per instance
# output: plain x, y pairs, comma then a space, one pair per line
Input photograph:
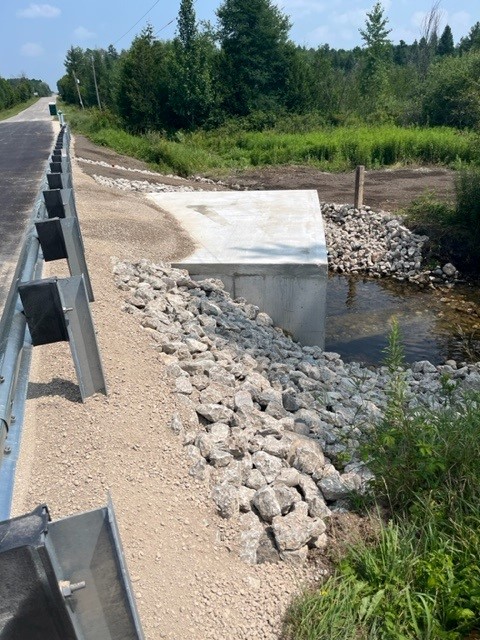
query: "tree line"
16, 90
245, 66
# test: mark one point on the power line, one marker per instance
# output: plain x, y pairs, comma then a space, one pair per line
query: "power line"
169, 23
165, 26
133, 27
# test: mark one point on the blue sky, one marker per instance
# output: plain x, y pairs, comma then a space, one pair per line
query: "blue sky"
34, 37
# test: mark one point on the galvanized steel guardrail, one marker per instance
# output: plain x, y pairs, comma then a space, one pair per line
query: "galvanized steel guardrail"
44, 311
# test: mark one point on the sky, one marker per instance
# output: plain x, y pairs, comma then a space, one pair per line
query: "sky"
34, 37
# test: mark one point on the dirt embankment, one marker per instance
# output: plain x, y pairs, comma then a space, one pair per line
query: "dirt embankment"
387, 189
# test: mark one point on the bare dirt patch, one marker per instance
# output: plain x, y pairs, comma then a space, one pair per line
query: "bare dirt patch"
387, 189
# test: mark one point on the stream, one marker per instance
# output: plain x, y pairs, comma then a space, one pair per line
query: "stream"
435, 325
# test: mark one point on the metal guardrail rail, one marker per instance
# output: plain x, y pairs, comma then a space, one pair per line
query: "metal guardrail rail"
44, 311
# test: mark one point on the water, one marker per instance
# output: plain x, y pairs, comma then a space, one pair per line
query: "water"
435, 326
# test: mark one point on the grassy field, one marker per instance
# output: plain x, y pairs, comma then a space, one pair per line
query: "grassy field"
329, 149
8, 113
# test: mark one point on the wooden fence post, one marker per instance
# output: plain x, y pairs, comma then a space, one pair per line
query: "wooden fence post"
359, 181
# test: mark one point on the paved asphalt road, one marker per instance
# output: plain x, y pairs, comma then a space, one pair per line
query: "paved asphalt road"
26, 141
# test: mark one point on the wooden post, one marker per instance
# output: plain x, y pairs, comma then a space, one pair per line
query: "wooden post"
359, 181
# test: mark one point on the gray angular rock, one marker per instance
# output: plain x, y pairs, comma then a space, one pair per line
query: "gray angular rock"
295, 558
243, 399
266, 503
245, 498
183, 385
176, 424
286, 496
215, 412
278, 447
226, 499
305, 454
219, 458
199, 469
336, 486
289, 476
251, 532
317, 507
269, 466
296, 529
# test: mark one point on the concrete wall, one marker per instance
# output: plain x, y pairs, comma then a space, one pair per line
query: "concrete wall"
266, 246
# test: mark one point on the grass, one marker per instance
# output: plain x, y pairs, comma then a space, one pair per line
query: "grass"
328, 148
13, 111
421, 579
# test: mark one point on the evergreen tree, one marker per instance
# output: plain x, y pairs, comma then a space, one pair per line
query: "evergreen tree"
446, 46
142, 98
191, 86
472, 41
254, 55
374, 77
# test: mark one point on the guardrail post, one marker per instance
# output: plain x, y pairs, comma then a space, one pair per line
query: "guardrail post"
62, 238
57, 310
60, 203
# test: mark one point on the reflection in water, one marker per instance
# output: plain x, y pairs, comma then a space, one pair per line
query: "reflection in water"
359, 315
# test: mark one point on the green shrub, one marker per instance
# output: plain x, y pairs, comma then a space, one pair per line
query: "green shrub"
418, 582
467, 192
425, 454
453, 228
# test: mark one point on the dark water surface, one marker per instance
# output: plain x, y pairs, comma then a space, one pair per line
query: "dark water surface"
435, 326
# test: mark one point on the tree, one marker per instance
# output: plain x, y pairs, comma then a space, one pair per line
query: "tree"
472, 41
374, 77
451, 92
375, 34
428, 44
142, 91
253, 65
446, 46
191, 85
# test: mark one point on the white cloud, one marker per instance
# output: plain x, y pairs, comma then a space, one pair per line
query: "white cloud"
302, 7
320, 35
83, 34
32, 50
39, 11
354, 18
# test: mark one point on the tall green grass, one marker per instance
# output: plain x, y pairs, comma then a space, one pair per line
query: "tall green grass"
328, 148
344, 147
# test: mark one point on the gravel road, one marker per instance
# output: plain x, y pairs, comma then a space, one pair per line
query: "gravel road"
187, 578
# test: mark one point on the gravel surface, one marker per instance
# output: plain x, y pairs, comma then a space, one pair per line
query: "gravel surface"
187, 576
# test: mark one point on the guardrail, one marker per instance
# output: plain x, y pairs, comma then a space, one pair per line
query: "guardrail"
42, 311
57, 573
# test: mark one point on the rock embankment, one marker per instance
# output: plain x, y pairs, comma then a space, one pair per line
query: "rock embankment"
273, 428
377, 243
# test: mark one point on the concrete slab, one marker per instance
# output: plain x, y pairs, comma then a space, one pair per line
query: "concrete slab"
267, 246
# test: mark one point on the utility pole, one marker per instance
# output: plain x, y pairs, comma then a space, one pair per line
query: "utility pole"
77, 84
95, 81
